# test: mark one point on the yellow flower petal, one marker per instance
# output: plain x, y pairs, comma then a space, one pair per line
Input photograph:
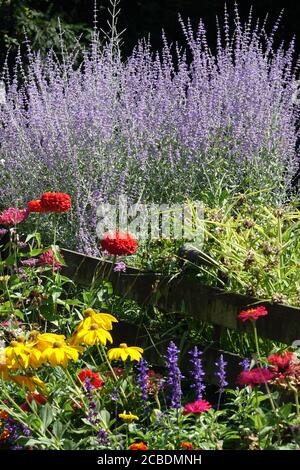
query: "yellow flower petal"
124, 351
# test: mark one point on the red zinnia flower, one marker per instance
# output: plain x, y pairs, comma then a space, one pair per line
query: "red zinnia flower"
33, 396
48, 259
56, 202
13, 216
119, 243
35, 206
93, 378
138, 446
196, 407
254, 377
186, 445
253, 313
281, 361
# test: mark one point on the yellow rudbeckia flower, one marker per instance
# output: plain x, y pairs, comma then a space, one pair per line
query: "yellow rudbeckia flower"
17, 355
92, 335
124, 351
35, 358
29, 381
59, 353
104, 320
128, 417
46, 340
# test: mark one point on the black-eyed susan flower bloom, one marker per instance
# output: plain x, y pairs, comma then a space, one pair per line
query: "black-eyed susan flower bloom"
94, 334
128, 416
46, 340
17, 355
124, 351
59, 353
29, 381
104, 320
35, 358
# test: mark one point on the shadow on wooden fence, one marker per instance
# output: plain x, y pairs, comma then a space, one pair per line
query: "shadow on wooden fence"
184, 296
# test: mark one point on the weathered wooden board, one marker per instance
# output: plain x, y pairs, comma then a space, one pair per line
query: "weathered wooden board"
186, 296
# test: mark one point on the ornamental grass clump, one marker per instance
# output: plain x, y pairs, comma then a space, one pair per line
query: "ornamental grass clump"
157, 126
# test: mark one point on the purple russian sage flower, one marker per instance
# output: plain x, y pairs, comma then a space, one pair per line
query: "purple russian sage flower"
142, 378
245, 364
30, 262
174, 375
120, 267
221, 373
198, 373
168, 111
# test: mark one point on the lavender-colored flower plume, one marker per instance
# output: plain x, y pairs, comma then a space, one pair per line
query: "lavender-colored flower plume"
174, 375
155, 124
221, 373
198, 373
142, 378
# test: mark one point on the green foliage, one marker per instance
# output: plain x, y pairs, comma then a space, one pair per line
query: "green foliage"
44, 23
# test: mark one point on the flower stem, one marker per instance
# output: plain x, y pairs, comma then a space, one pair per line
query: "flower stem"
256, 343
296, 401
112, 370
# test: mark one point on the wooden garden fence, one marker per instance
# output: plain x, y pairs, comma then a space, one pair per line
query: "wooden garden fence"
183, 296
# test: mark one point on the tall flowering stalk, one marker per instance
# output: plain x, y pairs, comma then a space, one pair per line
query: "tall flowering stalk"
174, 375
198, 373
221, 376
92, 414
142, 378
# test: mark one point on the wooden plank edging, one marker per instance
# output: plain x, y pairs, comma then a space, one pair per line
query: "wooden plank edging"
186, 296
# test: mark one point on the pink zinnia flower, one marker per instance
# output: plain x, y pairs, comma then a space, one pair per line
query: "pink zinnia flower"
281, 361
253, 313
48, 259
196, 407
254, 377
13, 216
